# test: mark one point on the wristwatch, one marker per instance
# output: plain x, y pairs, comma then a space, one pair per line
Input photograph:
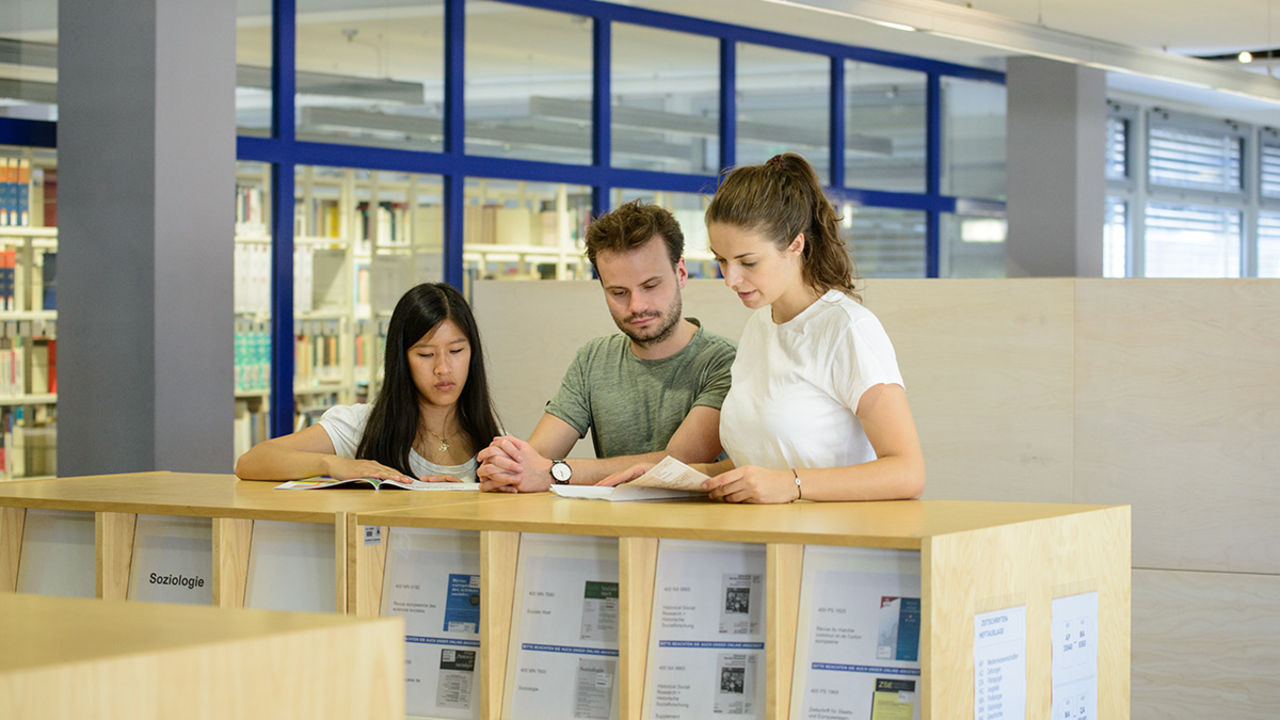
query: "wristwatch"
561, 472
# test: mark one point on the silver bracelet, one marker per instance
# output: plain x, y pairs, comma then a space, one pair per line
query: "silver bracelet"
797, 477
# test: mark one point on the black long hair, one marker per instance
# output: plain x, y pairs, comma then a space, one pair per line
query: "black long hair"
393, 422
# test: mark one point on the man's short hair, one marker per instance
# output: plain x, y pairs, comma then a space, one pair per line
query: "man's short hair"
631, 225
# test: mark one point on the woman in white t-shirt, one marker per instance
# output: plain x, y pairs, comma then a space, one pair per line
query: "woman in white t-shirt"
431, 416
817, 409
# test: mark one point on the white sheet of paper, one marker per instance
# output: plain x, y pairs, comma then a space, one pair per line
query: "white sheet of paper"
706, 645
1000, 664
857, 644
291, 567
172, 560
433, 582
671, 474
563, 663
1075, 657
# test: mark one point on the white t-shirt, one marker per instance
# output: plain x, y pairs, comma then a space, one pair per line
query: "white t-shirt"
345, 425
797, 385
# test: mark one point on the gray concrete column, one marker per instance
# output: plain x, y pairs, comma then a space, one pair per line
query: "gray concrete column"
146, 176
1057, 121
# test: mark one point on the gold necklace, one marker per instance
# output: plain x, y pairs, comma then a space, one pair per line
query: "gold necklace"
444, 440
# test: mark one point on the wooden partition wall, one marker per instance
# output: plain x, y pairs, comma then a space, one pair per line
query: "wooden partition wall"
1159, 394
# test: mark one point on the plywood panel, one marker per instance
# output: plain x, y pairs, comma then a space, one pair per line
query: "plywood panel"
113, 543
11, 521
1178, 412
1204, 645
367, 557
231, 542
78, 658
637, 567
784, 569
964, 574
499, 552
988, 368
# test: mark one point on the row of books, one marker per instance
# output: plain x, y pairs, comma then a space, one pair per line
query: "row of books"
252, 292
28, 366
253, 359
317, 359
28, 445
252, 424
250, 211
14, 295
15, 192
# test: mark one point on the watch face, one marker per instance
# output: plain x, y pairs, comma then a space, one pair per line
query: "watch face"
560, 471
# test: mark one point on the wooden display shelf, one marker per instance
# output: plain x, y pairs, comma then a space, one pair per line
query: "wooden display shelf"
232, 505
975, 557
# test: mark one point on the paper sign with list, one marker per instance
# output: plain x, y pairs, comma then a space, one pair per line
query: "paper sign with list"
1000, 664
858, 636
706, 646
564, 655
1075, 657
433, 582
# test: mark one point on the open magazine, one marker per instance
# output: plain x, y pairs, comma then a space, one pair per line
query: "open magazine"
668, 480
322, 483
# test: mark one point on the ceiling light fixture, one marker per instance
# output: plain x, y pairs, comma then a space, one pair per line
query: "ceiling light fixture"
954, 22
1245, 57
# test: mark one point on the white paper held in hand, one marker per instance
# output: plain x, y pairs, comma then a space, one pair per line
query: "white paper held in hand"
668, 480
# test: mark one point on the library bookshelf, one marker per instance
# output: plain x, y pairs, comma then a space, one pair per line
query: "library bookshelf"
28, 315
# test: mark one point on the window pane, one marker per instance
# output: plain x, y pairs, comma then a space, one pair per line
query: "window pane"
973, 142
689, 210
253, 67
515, 230
783, 106
665, 100
361, 239
1194, 158
972, 247
1269, 165
885, 242
29, 60
1269, 244
1117, 148
1192, 241
1115, 239
371, 75
252, 301
528, 83
884, 133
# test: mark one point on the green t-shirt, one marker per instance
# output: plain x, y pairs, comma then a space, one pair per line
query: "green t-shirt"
634, 406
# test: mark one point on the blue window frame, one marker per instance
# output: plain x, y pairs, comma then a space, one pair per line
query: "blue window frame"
284, 152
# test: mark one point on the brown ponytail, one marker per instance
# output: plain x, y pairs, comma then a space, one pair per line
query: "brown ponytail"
781, 199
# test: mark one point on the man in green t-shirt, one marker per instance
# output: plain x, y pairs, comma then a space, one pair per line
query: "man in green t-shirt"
652, 391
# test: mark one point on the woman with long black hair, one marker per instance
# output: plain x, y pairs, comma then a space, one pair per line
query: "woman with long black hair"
431, 416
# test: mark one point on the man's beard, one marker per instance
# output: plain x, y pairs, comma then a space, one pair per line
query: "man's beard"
669, 320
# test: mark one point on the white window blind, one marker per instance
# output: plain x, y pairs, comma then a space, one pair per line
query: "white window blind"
1192, 241
1269, 169
1117, 148
1269, 244
1115, 238
1194, 158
